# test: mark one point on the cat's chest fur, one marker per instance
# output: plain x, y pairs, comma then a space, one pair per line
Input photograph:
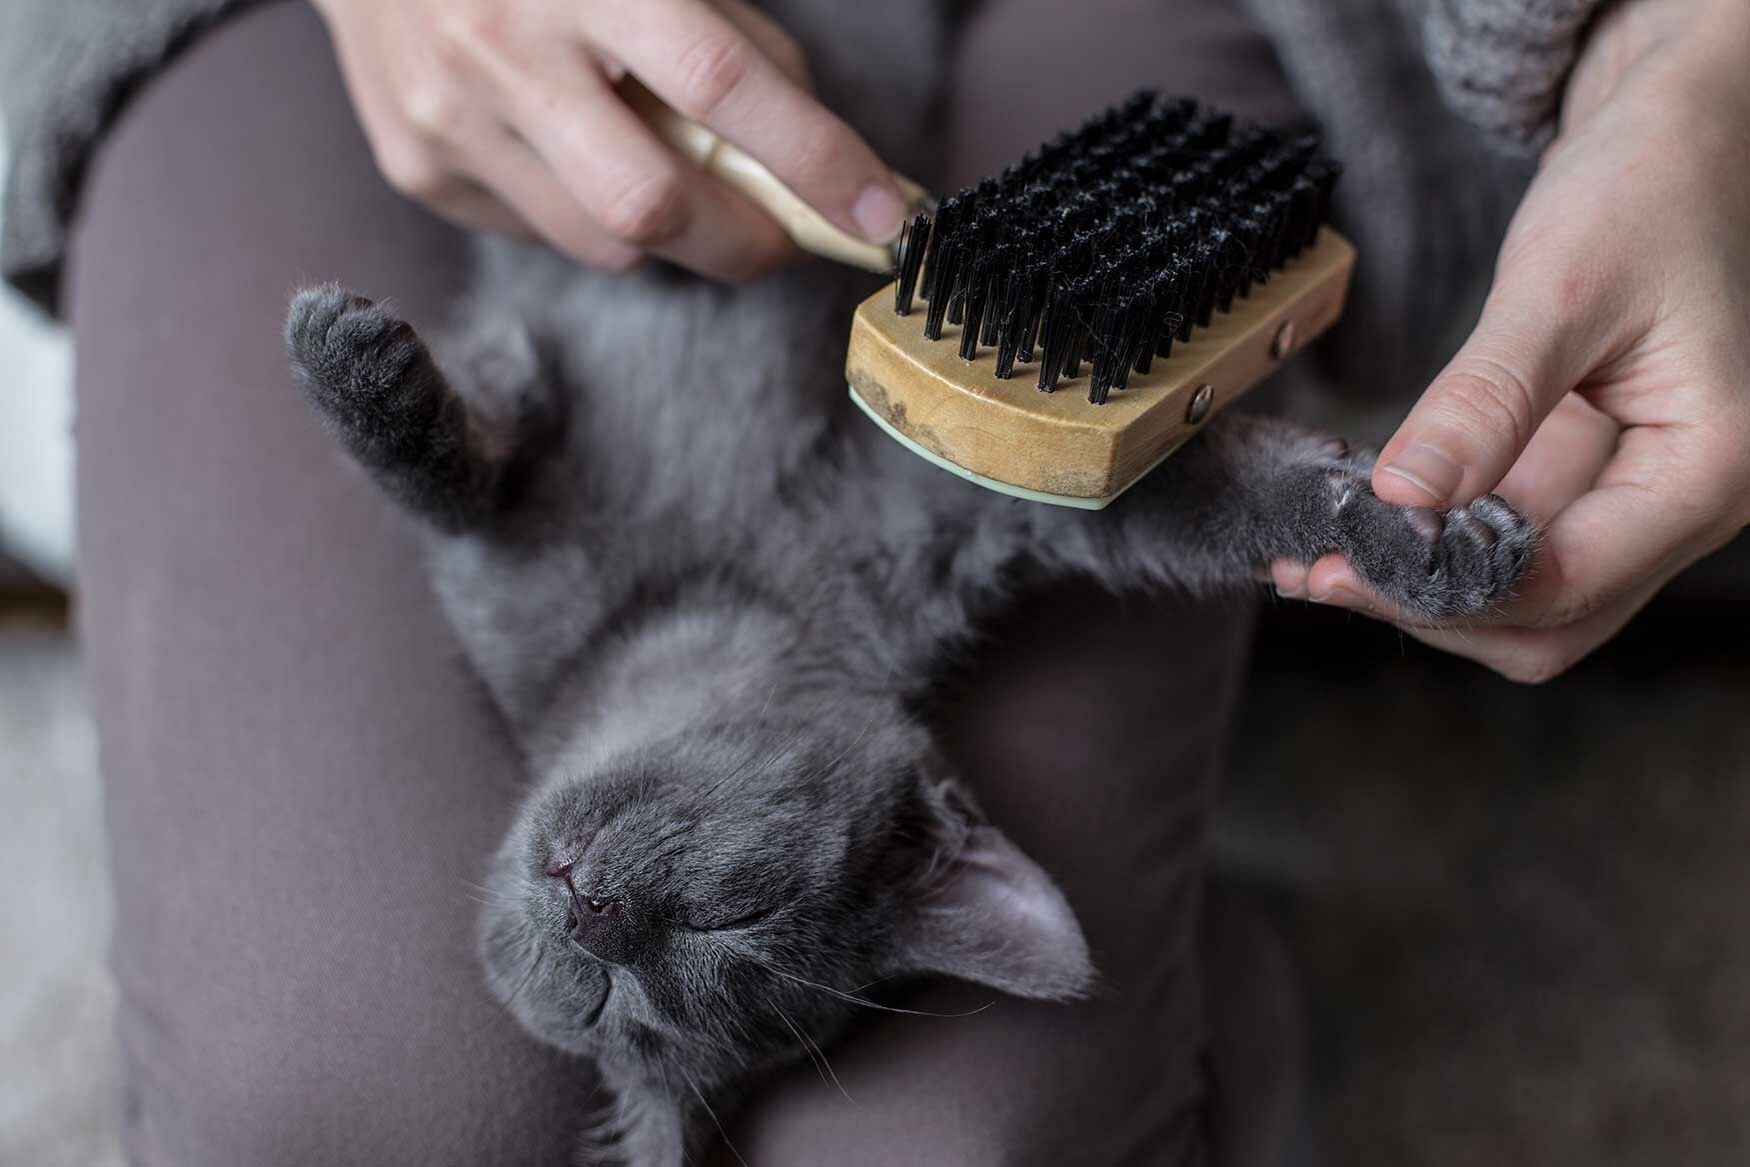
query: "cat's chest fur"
720, 469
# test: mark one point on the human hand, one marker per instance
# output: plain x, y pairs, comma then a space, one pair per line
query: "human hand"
502, 114
1606, 388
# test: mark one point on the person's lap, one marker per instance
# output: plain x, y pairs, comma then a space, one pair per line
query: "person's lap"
300, 776
303, 779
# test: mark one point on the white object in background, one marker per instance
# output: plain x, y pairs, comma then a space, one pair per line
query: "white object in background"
36, 436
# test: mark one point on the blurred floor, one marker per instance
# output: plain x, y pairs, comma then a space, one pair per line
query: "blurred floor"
1522, 913
59, 1102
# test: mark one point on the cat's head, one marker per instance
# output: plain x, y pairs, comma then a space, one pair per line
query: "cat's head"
728, 896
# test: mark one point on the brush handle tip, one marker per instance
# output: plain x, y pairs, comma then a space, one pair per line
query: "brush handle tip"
806, 227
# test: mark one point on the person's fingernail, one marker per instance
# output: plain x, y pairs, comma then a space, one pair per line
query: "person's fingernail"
879, 212
1429, 469
1292, 593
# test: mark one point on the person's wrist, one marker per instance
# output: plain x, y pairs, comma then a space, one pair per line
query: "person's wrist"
1707, 37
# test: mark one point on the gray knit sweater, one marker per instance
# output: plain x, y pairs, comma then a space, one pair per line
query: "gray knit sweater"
1410, 94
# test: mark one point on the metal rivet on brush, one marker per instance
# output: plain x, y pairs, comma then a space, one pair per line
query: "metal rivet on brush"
1284, 342
1200, 403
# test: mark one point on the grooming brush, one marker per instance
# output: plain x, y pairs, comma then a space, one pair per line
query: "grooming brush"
1057, 331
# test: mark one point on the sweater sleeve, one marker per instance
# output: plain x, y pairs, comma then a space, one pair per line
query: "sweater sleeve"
66, 67
1501, 64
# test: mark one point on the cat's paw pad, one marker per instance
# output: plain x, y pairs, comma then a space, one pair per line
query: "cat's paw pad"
350, 353
1457, 563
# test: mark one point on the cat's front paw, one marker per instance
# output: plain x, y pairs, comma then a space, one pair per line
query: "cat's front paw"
359, 364
376, 388
1458, 563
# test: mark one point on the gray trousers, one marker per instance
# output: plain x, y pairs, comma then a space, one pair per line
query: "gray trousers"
303, 778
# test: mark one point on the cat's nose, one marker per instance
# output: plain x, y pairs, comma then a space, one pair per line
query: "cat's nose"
599, 924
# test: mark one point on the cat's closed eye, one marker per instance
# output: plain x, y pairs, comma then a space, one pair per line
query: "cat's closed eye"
723, 919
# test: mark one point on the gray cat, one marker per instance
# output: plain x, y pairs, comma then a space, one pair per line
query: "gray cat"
707, 595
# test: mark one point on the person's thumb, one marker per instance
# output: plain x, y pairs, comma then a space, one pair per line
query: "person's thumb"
1530, 347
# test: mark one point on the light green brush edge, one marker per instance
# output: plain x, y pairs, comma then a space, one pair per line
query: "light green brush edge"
1056, 500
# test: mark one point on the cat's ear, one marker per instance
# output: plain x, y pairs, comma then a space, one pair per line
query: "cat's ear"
988, 913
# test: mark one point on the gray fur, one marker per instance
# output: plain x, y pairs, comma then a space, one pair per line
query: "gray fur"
707, 593
708, 596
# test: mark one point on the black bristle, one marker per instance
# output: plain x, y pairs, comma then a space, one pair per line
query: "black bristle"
947, 223
938, 283
996, 285
1037, 277
1015, 313
1111, 241
1193, 270
1060, 326
1078, 341
975, 299
914, 236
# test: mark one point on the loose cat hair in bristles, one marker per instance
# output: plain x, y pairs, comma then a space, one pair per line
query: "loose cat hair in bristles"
709, 599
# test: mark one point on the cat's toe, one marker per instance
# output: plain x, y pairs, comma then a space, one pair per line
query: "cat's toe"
1435, 565
1498, 545
351, 355
1427, 524
1481, 554
324, 324
315, 310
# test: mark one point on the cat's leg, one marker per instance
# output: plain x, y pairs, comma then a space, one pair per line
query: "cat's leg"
1251, 490
1212, 517
445, 455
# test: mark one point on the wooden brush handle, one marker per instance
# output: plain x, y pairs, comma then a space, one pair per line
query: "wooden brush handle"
806, 226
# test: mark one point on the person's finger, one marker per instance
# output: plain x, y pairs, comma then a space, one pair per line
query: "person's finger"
1330, 580
1544, 327
467, 204
699, 62
778, 45
1288, 577
407, 159
1565, 457
522, 181
415, 161
632, 185
1532, 656
1655, 510
1562, 462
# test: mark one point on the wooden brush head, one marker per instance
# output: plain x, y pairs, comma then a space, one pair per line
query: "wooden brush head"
1057, 447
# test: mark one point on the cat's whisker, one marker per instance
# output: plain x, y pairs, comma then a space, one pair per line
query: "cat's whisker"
815, 1054
854, 1000
753, 762
827, 768
800, 1040
761, 763
697, 1093
527, 978
492, 894
770, 693
871, 984
668, 1091
493, 900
